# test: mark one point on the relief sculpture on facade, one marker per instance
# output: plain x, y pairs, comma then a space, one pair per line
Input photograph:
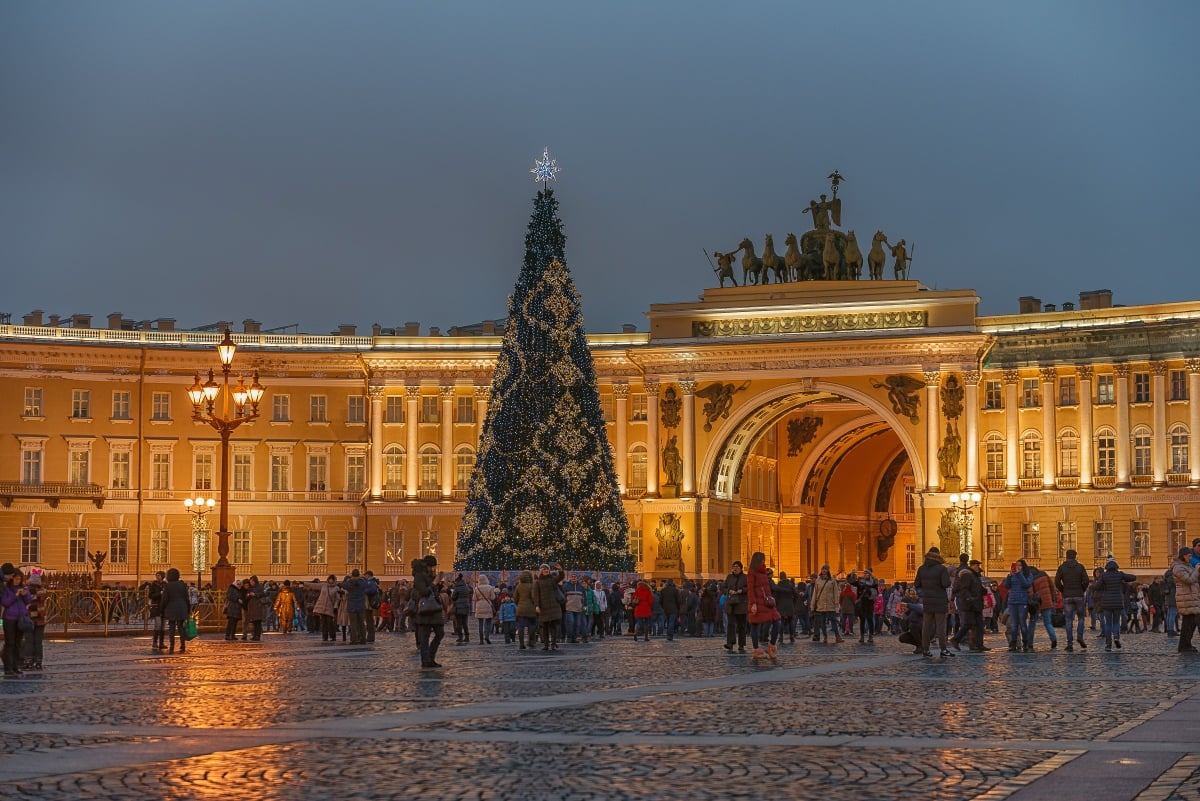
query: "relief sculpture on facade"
718, 400
800, 432
902, 392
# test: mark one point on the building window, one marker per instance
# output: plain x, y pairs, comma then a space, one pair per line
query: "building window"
160, 406
910, 558
431, 460
464, 409
464, 466
240, 543
1179, 385
316, 548
318, 472
356, 548
160, 470
1066, 391
202, 471
33, 402
279, 548
429, 543
1139, 539
1031, 455
243, 470
160, 546
635, 544
31, 546
637, 467
318, 409
1031, 541
393, 468
31, 465
1068, 454
78, 467
1141, 387
993, 394
1104, 390
993, 454
121, 405
356, 473
281, 472
1106, 452
1179, 450
606, 408
1142, 460
429, 408
995, 542
281, 408
1177, 534
1031, 392
77, 546
1068, 538
119, 469
1103, 545
81, 404
393, 547
356, 409
393, 410
118, 546
637, 406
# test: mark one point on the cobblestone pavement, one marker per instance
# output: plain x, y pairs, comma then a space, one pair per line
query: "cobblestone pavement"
294, 718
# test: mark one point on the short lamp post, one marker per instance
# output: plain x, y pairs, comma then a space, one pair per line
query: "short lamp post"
199, 507
239, 404
962, 507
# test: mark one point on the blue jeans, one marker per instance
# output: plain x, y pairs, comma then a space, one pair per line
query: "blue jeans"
1073, 610
1047, 621
1110, 619
1172, 619
1019, 625
574, 626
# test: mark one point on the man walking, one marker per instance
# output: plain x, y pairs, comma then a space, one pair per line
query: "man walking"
931, 582
969, 595
1072, 580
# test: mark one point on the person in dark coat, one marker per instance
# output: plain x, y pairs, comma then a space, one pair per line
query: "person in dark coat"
546, 604
931, 582
176, 608
255, 610
233, 609
461, 596
154, 591
710, 607
670, 600
785, 603
736, 608
1110, 588
866, 589
969, 594
430, 623
1072, 581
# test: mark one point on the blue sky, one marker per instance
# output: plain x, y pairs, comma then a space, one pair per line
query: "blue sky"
363, 162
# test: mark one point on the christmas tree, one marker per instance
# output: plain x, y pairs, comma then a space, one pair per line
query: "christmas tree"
544, 488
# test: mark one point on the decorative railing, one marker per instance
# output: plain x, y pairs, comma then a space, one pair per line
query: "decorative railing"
1104, 482
51, 492
1028, 484
1067, 482
1141, 481
995, 484
1139, 561
1178, 479
113, 611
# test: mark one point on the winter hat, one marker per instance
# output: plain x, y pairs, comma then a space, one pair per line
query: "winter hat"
962, 558
543, 566
1111, 564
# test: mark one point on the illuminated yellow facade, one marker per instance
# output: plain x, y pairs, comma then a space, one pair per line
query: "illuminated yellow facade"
820, 422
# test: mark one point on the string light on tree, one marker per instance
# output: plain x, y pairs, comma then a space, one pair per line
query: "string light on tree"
545, 170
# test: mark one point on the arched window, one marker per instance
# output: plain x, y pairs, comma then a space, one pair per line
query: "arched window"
1068, 453
1180, 443
1143, 462
393, 467
431, 460
1106, 452
637, 467
464, 465
993, 454
1031, 455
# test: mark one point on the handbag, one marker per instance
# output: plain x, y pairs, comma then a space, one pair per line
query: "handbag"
24, 623
428, 605
190, 629
560, 596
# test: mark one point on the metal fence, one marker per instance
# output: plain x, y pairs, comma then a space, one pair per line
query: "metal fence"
109, 611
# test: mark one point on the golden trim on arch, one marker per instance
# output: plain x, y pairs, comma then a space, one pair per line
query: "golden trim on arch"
811, 323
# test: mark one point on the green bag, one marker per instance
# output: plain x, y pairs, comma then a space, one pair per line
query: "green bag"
190, 631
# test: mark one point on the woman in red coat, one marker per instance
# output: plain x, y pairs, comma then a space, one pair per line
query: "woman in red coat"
764, 617
643, 611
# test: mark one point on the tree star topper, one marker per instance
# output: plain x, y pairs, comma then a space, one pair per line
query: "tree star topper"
545, 170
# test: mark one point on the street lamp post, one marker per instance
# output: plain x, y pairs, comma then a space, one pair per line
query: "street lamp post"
963, 508
199, 507
245, 400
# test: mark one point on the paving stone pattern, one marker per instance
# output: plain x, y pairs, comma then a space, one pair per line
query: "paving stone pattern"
293, 718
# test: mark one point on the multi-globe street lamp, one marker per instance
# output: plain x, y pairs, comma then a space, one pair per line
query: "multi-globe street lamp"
239, 404
962, 507
199, 507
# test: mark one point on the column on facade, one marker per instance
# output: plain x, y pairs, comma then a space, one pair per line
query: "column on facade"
1049, 430
1159, 447
621, 412
1084, 374
376, 393
1123, 449
447, 428
1012, 430
933, 433
1193, 368
971, 402
651, 386
481, 408
689, 436
411, 424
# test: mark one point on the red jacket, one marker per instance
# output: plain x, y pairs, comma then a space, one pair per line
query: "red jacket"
645, 601
758, 594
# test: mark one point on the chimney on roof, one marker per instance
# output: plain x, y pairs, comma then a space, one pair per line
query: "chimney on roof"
412, 330
251, 327
629, 328
81, 321
346, 330
1096, 299
115, 321
375, 329
488, 328
165, 323
1050, 307
1068, 306
33, 318
53, 321
434, 331
1030, 304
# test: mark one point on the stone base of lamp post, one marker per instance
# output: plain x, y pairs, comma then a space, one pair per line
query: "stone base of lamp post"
222, 577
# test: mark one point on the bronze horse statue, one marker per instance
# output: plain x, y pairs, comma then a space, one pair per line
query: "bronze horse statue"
853, 257
772, 261
876, 258
831, 258
752, 265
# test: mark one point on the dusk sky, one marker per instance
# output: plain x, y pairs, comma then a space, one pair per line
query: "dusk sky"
367, 162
